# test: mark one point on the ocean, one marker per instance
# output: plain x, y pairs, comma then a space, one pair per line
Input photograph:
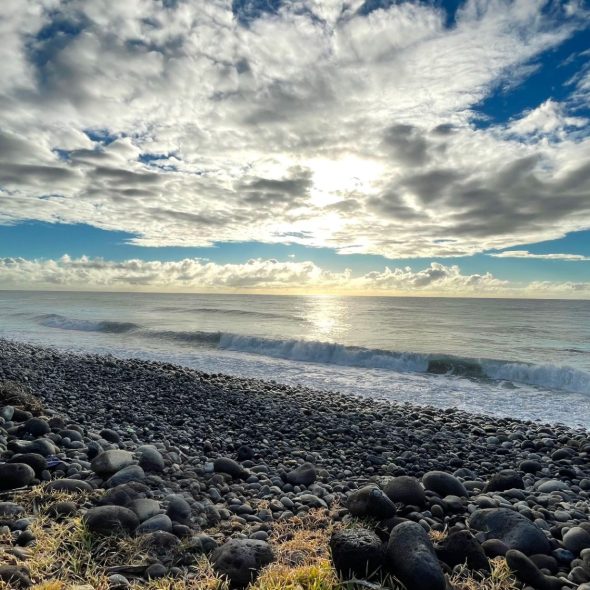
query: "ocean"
527, 359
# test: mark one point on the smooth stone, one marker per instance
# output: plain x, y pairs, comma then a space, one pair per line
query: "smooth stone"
552, 485
109, 520
150, 459
126, 475
145, 508
506, 479
529, 573
37, 427
118, 582
179, 510
15, 577
110, 436
15, 475
406, 490
512, 528
371, 502
412, 559
303, 475
155, 571
62, 509
111, 461
443, 484
37, 462
576, 539
10, 509
160, 522
462, 547
356, 552
231, 467
241, 560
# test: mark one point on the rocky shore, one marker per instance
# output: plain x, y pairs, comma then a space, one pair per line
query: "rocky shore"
159, 476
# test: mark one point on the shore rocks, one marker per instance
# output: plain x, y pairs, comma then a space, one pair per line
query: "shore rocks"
371, 502
303, 475
111, 520
356, 552
510, 527
15, 475
444, 484
406, 490
231, 467
110, 462
240, 560
411, 557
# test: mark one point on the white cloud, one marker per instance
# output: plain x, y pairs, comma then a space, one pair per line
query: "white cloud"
527, 254
193, 274
316, 125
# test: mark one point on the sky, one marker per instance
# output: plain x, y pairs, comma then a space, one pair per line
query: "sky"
359, 146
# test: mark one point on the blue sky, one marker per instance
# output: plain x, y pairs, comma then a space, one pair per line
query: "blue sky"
410, 142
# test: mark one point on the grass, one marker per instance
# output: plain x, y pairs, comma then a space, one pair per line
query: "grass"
66, 555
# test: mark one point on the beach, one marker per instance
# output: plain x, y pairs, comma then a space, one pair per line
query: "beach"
232, 459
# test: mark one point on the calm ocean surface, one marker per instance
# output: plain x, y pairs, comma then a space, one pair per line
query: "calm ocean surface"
520, 358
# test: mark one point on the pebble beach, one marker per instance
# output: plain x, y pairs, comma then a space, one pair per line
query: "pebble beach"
209, 467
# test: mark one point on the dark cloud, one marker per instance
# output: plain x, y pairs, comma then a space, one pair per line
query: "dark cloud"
407, 144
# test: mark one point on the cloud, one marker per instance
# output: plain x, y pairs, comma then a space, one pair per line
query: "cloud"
527, 254
346, 125
194, 274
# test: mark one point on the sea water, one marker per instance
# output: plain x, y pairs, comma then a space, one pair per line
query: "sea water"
527, 359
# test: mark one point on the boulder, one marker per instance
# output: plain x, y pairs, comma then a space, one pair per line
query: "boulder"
111, 520
411, 558
240, 560
126, 475
109, 462
406, 490
371, 502
150, 459
462, 547
68, 485
304, 475
526, 571
443, 484
231, 467
507, 479
512, 528
15, 475
356, 553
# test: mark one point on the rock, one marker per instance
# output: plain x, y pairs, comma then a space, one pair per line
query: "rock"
110, 436
245, 453
68, 485
123, 494
371, 502
527, 572
37, 427
241, 560
512, 528
231, 467
110, 462
15, 475
126, 475
552, 485
304, 475
530, 466
37, 462
118, 582
15, 577
179, 509
462, 547
155, 571
576, 539
61, 509
411, 557
161, 545
110, 520
150, 459
356, 553
507, 479
144, 508
10, 509
406, 490
160, 522
444, 484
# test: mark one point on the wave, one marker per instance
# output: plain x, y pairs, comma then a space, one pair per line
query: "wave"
54, 320
225, 311
547, 375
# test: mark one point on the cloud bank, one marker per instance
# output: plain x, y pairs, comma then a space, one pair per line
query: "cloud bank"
323, 123
193, 274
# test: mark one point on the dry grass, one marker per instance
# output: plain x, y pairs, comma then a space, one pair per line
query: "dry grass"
14, 393
66, 555
501, 578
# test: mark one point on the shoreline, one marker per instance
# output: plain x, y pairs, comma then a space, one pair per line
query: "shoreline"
249, 457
